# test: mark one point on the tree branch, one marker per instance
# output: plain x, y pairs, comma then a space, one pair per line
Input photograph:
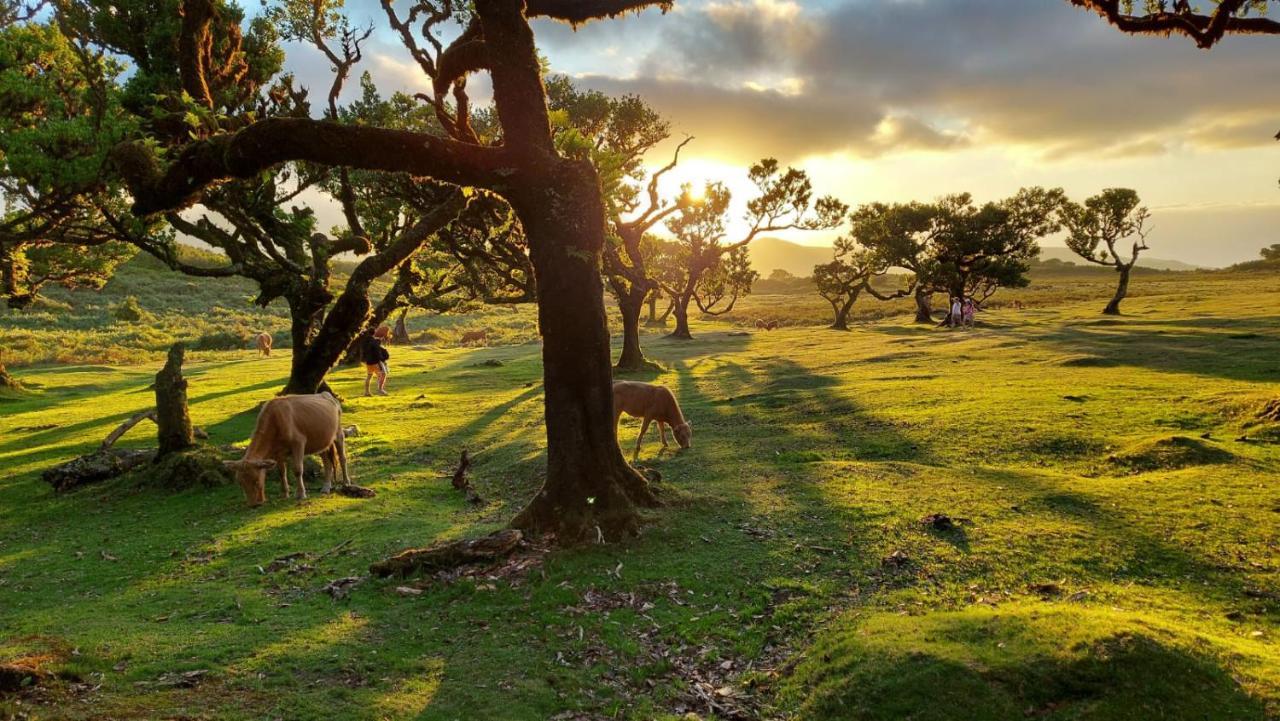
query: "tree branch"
1205, 30
266, 143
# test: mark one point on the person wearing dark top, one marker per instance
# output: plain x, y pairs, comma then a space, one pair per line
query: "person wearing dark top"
375, 358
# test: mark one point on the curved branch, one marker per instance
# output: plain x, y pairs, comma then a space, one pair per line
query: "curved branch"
576, 12
1206, 30
266, 143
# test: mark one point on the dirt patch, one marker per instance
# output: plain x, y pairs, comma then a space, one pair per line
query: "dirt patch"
1167, 454
35, 667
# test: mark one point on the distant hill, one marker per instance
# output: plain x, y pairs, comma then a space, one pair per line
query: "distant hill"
1065, 255
768, 254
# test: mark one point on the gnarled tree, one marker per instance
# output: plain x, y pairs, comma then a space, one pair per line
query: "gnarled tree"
873, 246
784, 202
590, 491
1097, 226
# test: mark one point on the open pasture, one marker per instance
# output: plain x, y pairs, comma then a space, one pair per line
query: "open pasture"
1113, 550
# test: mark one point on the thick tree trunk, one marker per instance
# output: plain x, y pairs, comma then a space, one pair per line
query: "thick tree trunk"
174, 421
842, 311
1122, 289
590, 493
304, 319
924, 308
653, 309
680, 305
631, 305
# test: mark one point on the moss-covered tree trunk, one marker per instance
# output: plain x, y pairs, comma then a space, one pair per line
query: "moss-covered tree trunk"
590, 492
172, 417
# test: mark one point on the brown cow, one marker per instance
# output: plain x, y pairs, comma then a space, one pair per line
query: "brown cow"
652, 403
290, 428
475, 336
264, 344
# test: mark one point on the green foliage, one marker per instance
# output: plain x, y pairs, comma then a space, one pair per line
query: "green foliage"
1271, 253
59, 117
1095, 227
129, 311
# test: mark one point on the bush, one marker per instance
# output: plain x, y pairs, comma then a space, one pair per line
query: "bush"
233, 339
129, 311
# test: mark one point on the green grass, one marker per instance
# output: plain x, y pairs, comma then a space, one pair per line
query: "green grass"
788, 575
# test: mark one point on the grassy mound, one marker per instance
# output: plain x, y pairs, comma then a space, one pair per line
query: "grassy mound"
1084, 361
198, 466
1015, 662
1167, 454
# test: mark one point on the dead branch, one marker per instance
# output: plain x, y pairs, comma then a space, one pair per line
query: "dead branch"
449, 555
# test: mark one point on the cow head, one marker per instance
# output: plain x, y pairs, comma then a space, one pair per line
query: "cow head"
252, 477
683, 434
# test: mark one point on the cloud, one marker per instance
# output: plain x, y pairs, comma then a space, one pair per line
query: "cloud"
746, 123
881, 77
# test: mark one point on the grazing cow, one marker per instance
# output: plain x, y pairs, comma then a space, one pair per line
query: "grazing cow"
652, 403
264, 344
475, 336
761, 324
772, 325
289, 429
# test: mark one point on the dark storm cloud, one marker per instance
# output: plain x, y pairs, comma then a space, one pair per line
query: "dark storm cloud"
872, 76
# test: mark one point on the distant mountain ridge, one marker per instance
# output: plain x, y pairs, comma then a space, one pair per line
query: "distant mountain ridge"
769, 254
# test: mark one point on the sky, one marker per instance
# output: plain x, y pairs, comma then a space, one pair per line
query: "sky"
897, 100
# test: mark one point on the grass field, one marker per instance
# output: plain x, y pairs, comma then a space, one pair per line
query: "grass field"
1115, 551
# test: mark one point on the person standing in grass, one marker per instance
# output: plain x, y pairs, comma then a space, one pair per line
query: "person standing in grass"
969, 310
954, 318
375, 358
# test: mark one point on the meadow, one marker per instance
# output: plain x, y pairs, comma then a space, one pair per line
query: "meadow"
1110, 547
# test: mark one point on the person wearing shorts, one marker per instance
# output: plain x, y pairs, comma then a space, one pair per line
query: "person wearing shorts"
375, 358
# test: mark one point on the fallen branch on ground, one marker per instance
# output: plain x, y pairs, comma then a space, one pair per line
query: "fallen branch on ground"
449, 555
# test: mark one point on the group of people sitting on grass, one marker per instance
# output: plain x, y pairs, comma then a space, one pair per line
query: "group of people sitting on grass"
962, 312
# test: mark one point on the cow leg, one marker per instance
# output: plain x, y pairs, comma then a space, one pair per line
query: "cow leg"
662, 433
299, 455
643, 427
340, 446
284, 476
328, 459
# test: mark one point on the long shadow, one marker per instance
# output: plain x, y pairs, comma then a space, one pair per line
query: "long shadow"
1148, 559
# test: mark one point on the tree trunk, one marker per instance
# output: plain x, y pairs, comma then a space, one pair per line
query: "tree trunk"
174, 421
680, 304
400, 334
590, 492
653, 309
304, 318
924, 308
351, 311
631, 304
842, 310
1122, 289
8, 381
